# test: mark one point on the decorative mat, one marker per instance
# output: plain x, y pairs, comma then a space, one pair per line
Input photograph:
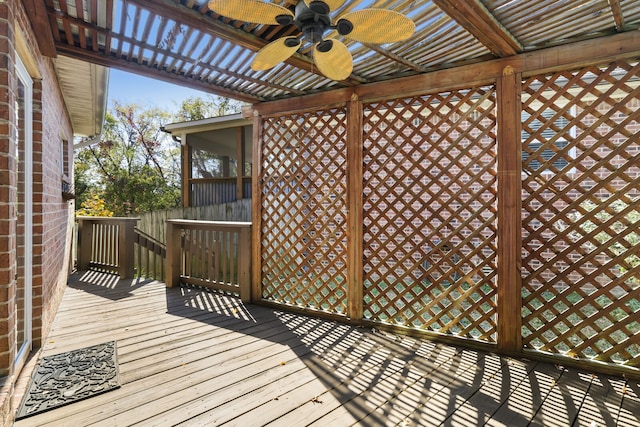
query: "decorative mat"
69, 377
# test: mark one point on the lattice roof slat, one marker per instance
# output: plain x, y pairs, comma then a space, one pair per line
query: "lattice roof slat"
183, 42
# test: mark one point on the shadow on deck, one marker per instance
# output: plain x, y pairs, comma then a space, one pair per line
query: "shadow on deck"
193, 357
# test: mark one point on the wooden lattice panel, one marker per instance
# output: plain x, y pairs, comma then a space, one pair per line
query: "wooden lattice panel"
581, 213
430, 213
303, 184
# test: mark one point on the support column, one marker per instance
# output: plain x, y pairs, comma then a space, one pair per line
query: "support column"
174, 250
241, 160
256, 210
354, 204
126, 247
186, 172
509, 211
85, 242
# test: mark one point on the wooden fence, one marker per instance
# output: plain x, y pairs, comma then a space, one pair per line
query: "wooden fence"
212, 254
503, 215
116, 245
136, 247
154, 223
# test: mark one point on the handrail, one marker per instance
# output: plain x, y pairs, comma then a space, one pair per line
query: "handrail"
213, 254
107, 243
151, 256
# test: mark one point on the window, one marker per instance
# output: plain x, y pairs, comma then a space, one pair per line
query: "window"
533, 141
64, 160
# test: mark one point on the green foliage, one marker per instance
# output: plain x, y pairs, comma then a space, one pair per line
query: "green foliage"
135, 167
83, 181
201, 108
93, 206
140, 189
622, 219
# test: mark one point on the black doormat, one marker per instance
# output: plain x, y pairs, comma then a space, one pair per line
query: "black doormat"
69, 377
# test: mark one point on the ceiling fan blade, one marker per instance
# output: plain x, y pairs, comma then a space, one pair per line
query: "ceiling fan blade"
377, 26
333, 59
275, 52
254, 11
328, 6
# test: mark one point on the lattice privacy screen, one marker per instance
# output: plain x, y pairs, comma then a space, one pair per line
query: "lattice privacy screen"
303, 185
581, 213
430, 213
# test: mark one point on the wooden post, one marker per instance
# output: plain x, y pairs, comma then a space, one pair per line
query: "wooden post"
244, 264
354, 205
126, 240
85, 238
186, 173
256, 210
509, 211
240, 159
226, 166
174, 250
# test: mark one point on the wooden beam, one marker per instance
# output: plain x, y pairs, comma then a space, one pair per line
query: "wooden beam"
569, 56
134, 67
509, 211
174, 250
474, 17
256, 211
618, 17
148, 47
39, 19
327, 99
575, 55
240, 158
355, 282
196, 19
396, 58
186, 172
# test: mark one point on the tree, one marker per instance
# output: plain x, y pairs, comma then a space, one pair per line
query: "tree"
197, 108
93, 206
135, 167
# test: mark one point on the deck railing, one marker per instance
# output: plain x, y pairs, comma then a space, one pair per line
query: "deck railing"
107, 243
212, 254
116, 245
150, 256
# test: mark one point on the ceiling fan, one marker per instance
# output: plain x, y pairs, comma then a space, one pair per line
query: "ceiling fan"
313, 19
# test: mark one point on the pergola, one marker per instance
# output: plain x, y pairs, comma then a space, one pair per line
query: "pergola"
185, 43
477, 183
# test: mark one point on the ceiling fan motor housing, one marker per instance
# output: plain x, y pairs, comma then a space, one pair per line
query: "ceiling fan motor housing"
312, 24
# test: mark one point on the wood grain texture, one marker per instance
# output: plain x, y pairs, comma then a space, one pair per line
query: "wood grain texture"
189, 356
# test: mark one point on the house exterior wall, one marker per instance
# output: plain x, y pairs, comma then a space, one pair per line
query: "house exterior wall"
52, 216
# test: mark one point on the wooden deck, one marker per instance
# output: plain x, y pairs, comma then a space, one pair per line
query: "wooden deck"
191, 357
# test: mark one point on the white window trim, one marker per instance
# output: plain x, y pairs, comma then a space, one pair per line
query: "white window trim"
25, 78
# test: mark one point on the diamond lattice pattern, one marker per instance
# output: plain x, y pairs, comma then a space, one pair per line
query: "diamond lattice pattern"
303, 184
581, 213
430, 213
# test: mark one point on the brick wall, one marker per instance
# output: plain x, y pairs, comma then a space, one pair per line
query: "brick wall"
52, 216
8, 179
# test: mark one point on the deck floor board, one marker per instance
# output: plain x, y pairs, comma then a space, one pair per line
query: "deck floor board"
191, 357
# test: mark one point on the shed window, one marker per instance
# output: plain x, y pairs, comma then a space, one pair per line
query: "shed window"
538, 132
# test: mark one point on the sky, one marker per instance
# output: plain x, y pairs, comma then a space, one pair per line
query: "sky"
127, 88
